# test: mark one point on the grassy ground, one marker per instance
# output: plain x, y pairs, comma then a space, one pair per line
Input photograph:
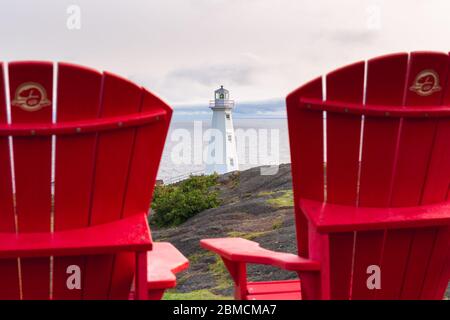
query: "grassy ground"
279, 199
195, 295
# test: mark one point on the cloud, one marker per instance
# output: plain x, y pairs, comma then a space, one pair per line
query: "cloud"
183, 49
278, 113
232, 74
352, 37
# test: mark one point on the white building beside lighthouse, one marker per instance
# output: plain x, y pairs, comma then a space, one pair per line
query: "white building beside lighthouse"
222, 154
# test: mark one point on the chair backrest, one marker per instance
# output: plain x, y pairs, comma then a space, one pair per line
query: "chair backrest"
83, 149
380, 138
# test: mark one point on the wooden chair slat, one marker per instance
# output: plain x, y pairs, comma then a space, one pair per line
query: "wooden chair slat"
343, 135
385, 85
9, 275
417, 136
340, 265
415, 143
438, 175
31, 92
79, 92
343, 141
141, 180
145, 162
419, 257
394, 262
306, 140
113, 159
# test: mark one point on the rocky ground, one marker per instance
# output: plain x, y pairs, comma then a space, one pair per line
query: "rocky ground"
255, 207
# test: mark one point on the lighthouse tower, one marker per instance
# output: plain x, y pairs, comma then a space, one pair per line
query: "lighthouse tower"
222, 146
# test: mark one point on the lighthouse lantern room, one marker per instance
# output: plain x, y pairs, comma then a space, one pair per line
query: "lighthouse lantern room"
222, 146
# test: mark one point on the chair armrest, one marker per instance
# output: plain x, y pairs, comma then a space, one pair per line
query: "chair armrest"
128, 234
164, 262
246, 251
340, 218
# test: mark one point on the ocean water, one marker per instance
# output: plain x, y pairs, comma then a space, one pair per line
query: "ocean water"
187, 141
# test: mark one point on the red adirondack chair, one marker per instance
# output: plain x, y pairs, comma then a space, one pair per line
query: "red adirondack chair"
371, 190
75, 189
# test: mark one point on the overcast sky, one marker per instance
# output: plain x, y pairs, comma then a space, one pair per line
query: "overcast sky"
183, 49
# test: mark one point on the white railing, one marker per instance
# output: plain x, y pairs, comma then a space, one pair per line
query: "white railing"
221, 103
182, 177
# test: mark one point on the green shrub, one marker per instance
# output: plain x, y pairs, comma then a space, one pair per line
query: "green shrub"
174, 204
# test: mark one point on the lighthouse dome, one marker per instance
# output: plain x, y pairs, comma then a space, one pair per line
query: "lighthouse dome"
222, 94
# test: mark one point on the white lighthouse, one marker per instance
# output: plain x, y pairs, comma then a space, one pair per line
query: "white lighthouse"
222, 155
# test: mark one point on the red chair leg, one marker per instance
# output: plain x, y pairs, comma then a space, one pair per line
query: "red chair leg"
156, 294
141, 276
238, 272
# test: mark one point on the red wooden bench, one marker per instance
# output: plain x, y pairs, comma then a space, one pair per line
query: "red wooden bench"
371, 186
79, 154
